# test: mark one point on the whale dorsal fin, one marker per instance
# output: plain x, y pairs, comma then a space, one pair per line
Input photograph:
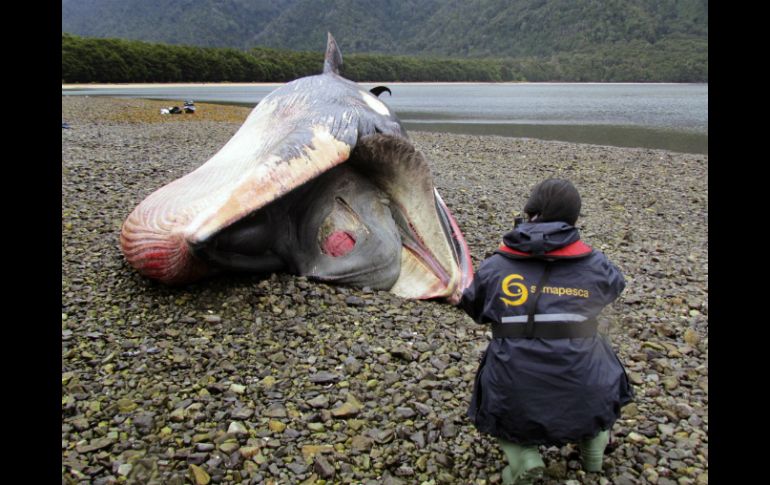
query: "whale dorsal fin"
377, 90
333, 58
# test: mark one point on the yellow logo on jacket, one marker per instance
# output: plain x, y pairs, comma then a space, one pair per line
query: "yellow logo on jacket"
516, 291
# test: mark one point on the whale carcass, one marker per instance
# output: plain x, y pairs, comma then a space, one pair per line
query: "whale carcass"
321, 180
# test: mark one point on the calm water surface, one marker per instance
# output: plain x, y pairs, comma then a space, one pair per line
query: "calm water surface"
666, 116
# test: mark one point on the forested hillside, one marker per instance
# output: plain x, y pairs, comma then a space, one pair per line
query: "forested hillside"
86, 60
484, 28
212, 23
554, 40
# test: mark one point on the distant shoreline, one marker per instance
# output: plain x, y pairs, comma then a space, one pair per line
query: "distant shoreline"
442, 83
156, 85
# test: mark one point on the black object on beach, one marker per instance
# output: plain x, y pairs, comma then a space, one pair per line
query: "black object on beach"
189, 106
65, 126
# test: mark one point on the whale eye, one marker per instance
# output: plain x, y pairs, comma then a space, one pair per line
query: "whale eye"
338, 243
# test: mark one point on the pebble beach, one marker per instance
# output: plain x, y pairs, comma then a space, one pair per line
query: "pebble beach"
282, 380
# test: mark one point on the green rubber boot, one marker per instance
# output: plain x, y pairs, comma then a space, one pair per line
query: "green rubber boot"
592, 451
525, 465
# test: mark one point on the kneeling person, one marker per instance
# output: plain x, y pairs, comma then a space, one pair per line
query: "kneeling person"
547, 377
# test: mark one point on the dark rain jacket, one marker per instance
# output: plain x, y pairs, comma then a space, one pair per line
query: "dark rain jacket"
548, 391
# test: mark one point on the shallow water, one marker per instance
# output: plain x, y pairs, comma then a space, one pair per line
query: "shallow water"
620, 136
663, 116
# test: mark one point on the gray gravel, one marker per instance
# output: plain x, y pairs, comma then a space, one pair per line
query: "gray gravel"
283, 380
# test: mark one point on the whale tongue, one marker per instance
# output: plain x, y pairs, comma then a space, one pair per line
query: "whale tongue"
339, 243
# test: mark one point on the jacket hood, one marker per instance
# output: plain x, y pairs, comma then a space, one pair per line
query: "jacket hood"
541, 237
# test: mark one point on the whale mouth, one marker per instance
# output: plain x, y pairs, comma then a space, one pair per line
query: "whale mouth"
374, 221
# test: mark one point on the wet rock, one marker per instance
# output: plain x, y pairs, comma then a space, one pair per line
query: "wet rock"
348, 409
670, 383
383, 436
354, 301
297, 468
388, 479
199, 458
556, 469
352, 365
96, 444
403, 352
636, 378
126, 405
627, 479
683, 410
198, 475
212, 319
405, 413
144, 422
418, 439
311, 451
241, 414
125, 469
361, 443
448, 430
237, 388
323, 467
421, 408
144, 471
691, 337
177, 415
320, 401
275, 411
276, 426
316, 427
444, 460
630, 410
237, 428
324, 378
229, 446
